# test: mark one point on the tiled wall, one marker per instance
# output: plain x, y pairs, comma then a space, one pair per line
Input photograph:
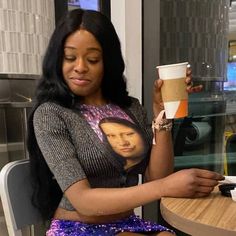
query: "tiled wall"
196, 31
25, 28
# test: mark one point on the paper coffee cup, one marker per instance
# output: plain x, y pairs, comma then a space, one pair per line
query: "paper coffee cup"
173, 90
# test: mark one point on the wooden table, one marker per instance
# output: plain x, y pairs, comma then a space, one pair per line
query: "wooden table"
210, 216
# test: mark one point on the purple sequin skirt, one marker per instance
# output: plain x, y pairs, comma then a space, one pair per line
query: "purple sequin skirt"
130, 224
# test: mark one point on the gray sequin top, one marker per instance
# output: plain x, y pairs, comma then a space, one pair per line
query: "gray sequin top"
73, 151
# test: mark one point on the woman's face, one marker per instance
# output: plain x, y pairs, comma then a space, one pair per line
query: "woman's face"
124, 140
83, 66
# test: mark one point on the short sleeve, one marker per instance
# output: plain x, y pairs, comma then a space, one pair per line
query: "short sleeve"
55, 143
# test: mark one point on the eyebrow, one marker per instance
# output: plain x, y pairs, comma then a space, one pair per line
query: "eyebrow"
89, 49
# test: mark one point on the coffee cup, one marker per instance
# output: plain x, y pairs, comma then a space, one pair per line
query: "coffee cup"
174, 89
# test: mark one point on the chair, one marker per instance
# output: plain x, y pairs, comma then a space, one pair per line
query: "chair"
16, 191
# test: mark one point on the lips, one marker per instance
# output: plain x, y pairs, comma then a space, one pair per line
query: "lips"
80, 81
127, 149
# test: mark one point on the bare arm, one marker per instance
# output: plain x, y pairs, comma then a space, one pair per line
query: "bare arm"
161, 161
162, 156
108, 201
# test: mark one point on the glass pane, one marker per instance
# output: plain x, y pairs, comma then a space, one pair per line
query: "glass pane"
202, 33
85, 4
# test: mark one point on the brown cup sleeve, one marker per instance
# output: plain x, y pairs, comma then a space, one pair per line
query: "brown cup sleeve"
174, 90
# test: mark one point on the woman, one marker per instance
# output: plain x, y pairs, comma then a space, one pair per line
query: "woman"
77, 181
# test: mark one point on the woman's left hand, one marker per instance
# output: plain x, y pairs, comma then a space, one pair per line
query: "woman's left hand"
189, 82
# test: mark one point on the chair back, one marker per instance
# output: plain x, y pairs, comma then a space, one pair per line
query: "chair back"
16, 191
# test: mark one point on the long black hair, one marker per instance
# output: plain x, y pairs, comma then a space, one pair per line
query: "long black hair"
52, 87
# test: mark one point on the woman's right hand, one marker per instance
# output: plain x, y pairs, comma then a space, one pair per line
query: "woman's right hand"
190, 183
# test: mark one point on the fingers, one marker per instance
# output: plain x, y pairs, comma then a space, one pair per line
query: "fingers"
189, 71
204, 181
201, 194
207, 182
188, 81
158, 83
192, 182
190, 86
194, 89
207, 174
203, 191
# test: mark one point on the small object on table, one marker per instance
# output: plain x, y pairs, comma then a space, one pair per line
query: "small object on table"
226, 189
